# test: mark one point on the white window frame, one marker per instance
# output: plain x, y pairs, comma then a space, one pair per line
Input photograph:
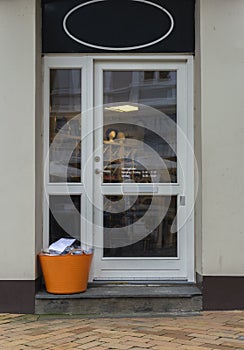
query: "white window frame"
87, 64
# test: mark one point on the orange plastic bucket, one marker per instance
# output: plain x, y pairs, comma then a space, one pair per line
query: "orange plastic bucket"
65, 274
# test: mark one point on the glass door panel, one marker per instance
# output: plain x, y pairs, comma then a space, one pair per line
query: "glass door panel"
147, 228
64, 217
140, 133
65, 125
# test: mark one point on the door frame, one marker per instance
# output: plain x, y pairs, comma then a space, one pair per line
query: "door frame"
87, 64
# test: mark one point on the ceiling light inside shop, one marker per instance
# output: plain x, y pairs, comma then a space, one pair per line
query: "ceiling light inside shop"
122, 108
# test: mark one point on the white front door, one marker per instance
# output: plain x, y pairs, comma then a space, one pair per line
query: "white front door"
133, 177
141, 171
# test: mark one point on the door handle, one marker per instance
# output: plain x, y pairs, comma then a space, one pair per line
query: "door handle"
99, 171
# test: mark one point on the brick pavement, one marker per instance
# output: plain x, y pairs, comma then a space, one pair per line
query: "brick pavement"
209, 330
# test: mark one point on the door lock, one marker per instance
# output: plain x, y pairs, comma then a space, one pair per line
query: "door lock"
97, 159
183, 200
98, 171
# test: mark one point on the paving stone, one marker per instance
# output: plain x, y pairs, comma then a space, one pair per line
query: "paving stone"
89, 345
211, 330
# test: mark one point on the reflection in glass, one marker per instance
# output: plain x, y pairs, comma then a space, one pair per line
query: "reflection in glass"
137, 137
65, 125
64, 218
129, 232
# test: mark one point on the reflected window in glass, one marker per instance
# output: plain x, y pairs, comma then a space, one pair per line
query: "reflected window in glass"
65, 125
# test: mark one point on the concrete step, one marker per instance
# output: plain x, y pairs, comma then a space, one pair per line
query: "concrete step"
102, 300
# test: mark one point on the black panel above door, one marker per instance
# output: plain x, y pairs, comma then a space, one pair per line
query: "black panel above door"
83, 26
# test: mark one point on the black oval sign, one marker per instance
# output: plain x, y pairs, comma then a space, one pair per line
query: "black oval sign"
118, 24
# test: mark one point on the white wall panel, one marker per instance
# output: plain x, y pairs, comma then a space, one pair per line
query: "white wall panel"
222, 122
17, 139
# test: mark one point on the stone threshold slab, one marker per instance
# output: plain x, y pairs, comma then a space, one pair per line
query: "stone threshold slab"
128, 291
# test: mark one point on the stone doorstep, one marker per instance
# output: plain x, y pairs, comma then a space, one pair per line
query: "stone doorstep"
123, 299
128, 291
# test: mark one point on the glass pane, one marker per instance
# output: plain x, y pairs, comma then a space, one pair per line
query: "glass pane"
140, 226
140, 133
65, 125
64, 217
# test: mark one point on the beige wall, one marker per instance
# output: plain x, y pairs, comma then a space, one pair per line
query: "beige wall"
17, 139
198, 143
219, 136
38, 135
222, 122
